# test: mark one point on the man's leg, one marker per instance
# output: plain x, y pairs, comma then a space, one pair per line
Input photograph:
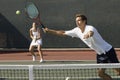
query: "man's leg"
103, 75
113, 59
117, 70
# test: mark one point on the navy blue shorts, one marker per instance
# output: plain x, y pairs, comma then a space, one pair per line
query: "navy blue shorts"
109, 57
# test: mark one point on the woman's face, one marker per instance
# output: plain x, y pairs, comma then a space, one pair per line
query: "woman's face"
34, 24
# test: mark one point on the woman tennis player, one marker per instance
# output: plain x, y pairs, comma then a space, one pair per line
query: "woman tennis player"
35, 35
90, 36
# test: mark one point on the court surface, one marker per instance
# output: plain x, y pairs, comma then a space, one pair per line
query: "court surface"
50, 56
55, 56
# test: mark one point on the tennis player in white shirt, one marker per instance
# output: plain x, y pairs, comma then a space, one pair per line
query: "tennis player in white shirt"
90, 36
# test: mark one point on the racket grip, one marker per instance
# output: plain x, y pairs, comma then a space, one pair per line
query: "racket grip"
42, 25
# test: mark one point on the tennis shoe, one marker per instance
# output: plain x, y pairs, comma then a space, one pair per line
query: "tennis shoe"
41, 60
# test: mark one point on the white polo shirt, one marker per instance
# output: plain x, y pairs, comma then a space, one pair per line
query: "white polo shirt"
95, 42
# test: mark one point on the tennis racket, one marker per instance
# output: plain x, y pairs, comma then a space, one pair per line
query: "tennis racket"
33, 13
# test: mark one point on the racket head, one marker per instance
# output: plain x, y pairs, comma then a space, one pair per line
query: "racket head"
31, 10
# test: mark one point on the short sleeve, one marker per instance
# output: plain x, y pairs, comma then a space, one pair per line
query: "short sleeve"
90, 28
71, 33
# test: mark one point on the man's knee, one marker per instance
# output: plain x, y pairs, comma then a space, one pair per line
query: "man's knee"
101, 72
118, 71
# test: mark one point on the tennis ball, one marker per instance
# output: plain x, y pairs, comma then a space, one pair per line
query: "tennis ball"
18, 12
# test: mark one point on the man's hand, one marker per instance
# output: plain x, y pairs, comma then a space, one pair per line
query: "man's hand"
45, 29
86, 36
89, 34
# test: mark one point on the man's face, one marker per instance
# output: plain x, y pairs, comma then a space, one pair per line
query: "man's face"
79, 21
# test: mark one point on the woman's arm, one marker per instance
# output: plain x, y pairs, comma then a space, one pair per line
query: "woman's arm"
30, 32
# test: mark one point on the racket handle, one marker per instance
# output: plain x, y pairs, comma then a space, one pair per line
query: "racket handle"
42, 25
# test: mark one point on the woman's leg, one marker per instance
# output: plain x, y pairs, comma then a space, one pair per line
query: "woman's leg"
40, 53
31, 50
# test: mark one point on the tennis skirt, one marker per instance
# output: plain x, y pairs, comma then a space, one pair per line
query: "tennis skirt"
36, 43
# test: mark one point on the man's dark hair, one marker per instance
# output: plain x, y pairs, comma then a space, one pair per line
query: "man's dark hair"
83, 17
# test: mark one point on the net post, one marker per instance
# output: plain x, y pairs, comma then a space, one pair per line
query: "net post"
31, 77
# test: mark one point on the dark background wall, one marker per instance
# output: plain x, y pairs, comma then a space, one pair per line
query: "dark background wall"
58, 14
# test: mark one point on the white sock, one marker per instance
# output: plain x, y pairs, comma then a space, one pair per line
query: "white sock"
34, 58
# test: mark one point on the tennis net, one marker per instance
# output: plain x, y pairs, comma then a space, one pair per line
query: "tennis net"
56, 72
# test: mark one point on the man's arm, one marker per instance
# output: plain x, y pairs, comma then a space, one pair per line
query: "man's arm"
56, 32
